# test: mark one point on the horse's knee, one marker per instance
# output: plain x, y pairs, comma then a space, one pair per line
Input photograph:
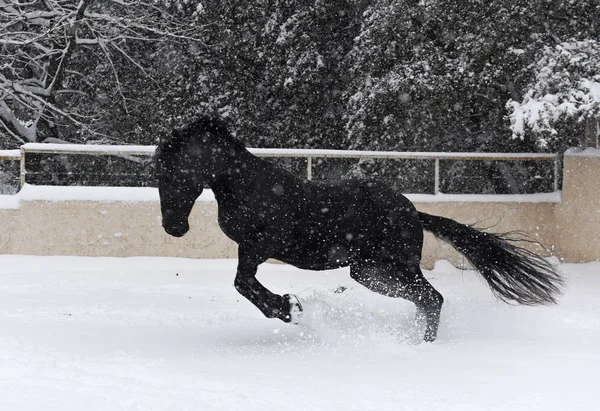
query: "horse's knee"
244, 285
239, 285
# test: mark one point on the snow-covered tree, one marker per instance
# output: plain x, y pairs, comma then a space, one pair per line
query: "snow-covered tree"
362, 74
437, 74
58, 59
566, 88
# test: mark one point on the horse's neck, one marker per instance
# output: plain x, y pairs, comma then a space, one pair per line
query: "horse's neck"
231, 171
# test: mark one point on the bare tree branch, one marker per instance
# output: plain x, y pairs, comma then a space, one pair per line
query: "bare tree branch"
39, 40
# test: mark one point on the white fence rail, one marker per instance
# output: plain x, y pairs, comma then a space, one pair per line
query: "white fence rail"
308, 154
10, 155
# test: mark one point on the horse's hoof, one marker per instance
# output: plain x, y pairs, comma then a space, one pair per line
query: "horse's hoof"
295, 309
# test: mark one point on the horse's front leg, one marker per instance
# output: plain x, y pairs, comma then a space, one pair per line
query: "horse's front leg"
287, 307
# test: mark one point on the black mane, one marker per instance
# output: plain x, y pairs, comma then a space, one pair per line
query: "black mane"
207, 124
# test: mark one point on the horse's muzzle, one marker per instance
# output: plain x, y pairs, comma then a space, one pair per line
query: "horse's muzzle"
176, 229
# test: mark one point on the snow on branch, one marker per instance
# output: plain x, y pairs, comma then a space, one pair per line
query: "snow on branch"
566, 85
39, 39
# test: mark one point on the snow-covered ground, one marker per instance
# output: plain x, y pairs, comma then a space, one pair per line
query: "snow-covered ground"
173, 334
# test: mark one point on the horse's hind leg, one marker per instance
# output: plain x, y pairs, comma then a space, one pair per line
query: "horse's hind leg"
403, 281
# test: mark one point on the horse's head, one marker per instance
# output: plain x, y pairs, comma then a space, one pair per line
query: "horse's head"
192, 156
180, 181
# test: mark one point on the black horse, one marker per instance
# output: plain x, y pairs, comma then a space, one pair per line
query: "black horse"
320, 225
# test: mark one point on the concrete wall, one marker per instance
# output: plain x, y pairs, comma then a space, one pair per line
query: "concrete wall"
119, 229
67, 225
577, 222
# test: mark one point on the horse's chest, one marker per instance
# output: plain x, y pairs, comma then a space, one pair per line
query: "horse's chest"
237, 222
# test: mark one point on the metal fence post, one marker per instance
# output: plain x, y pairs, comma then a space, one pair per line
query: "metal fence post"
556, 160
309, 168
436, 184
590, 138
22, 168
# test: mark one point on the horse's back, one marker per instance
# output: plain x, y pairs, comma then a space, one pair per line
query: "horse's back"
368, 196
347, 220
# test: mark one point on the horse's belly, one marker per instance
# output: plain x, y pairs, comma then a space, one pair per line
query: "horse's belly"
324, 258
313, 264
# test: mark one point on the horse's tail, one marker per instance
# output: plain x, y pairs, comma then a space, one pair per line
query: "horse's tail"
513, 273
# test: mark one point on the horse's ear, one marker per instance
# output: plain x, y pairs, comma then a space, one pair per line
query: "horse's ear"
162, 140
